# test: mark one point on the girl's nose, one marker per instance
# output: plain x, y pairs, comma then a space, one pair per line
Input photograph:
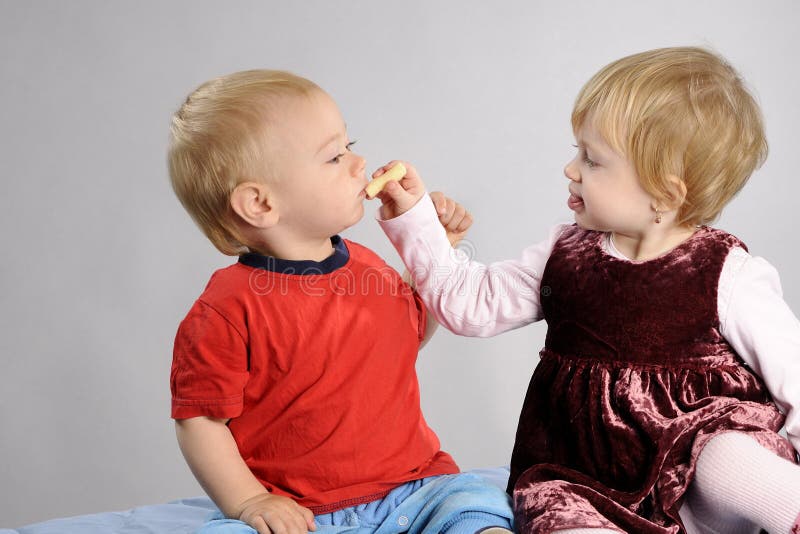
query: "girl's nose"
571, 171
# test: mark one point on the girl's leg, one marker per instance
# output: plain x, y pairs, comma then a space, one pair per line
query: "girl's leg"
738, 479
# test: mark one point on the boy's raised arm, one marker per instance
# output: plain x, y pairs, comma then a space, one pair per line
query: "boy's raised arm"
212, 454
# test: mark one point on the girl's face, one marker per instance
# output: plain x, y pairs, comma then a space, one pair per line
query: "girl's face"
605, 192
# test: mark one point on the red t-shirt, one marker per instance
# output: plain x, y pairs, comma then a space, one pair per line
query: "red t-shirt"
313, 362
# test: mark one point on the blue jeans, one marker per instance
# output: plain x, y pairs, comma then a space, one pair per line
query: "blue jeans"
454, 504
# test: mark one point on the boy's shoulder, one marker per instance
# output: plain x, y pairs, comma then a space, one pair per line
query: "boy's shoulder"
361, 254
227, 284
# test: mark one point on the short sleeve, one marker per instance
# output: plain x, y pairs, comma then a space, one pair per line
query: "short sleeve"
209, 366
423, 316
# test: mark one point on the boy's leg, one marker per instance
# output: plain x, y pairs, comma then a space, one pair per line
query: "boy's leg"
339, 522
463, 503
739, 483
454, 504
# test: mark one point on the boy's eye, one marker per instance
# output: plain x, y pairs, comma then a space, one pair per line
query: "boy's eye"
338, 157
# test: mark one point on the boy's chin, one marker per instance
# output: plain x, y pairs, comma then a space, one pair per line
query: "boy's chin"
359, 214
356, 218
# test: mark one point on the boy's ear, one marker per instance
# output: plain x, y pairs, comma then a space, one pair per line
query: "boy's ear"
676, 192
254, 204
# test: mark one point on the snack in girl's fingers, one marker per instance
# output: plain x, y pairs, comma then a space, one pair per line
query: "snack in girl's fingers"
397, 172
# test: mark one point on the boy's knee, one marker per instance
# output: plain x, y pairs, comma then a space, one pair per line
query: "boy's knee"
475, 522
474, 505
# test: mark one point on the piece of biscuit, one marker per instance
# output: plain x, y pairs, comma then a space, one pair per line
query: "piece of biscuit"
396, 173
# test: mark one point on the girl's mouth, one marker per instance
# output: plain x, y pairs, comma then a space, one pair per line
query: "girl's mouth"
574, 202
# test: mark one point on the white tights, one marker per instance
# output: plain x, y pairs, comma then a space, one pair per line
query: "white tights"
738, 487
738, 479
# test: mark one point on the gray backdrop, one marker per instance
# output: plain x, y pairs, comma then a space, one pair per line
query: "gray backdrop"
100, 263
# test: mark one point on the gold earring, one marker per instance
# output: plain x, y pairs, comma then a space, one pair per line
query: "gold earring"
658, 217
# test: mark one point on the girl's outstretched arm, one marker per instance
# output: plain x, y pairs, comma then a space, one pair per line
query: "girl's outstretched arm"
467, 297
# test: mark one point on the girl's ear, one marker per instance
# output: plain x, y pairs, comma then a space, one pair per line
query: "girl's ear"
254, 204
676, 192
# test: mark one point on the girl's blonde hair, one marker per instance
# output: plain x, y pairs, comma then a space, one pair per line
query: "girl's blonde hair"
678, 111
218, 139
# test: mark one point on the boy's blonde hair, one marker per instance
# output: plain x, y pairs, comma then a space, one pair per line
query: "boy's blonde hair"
219, 140
680, 111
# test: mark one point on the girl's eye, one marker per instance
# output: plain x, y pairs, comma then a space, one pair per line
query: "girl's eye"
586, 159
349, 146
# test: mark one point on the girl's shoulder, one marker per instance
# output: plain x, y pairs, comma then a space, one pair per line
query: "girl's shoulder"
720, 236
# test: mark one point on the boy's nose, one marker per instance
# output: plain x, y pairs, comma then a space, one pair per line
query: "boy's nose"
359, 165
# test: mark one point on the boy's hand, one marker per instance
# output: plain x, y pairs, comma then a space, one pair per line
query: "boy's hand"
453, 216
399, 197
274, 514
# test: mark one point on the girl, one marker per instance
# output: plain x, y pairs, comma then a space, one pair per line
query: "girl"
671, 359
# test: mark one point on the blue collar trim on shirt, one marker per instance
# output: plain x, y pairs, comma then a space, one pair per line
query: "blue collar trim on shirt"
333, 262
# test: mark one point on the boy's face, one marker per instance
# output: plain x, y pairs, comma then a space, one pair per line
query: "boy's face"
605, 192
320, 183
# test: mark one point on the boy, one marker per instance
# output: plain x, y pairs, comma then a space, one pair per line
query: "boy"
293, 384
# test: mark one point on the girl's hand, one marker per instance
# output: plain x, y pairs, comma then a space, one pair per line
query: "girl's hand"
399, 197
274, 514
454, 217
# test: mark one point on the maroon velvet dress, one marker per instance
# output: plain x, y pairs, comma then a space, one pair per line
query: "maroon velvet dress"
634, 380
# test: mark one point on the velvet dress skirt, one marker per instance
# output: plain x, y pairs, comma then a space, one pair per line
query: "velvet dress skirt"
618, 444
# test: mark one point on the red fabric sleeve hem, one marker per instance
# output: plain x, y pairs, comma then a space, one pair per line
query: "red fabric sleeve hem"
220, 409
